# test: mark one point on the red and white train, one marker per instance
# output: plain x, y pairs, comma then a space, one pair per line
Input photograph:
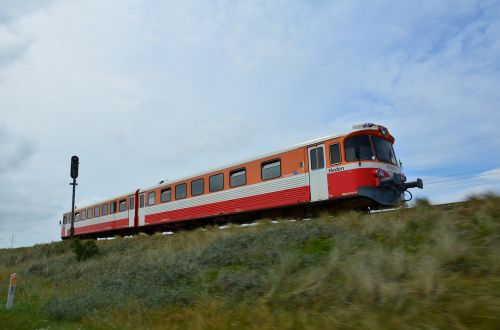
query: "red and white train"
358, 167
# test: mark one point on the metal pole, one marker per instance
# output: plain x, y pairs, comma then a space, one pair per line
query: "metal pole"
72, 230
74, 174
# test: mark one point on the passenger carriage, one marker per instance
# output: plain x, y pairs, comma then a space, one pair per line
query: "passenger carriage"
359, 168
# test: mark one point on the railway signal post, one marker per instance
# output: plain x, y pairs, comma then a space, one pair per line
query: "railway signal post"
74, 175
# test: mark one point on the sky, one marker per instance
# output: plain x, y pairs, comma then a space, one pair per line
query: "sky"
144, 91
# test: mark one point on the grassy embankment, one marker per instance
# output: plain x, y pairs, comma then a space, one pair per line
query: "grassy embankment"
422, 268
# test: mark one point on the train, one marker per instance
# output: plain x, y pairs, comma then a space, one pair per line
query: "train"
357, 169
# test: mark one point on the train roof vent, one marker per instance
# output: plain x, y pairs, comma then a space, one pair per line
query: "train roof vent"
365, 126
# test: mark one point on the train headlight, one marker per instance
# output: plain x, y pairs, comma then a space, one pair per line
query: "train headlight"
383, 130
403, 177
380, 173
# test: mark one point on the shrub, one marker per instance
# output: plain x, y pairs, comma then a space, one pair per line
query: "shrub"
84, 250
9, 260
54, 248
37, 268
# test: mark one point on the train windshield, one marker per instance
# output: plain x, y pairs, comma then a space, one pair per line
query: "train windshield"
360, 143
359, 147
384, 150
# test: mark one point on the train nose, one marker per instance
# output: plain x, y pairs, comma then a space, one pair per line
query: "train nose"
390, 190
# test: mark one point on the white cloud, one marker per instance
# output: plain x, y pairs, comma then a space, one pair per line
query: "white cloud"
13, 151
492, 174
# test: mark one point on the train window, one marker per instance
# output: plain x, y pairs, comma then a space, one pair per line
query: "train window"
122, 205
238, 177
321, 157
105, 209
151, 198
166, 195
180, 191
132, 202
335, 153
141, 200
97, 211
317, 157
83, 215
216, 182
314, 159
113, 208
90, 213
384, 150
271, 169
358, 147
77, 216
197, 187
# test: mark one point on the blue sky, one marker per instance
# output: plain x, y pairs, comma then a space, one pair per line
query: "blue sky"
150, 90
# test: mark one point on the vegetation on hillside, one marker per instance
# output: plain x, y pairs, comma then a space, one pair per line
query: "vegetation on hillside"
425, 267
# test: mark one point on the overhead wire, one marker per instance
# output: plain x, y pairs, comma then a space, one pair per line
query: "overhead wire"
439, 177
439, 182
444, 185
450, 181
458, 185
464, 178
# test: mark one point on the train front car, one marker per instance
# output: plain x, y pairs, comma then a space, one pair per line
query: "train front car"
370, 168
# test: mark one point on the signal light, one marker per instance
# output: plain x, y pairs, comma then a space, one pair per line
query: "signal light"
74, 167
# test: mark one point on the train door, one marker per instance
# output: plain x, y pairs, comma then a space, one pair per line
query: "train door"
317, 173
131, 211
141, 210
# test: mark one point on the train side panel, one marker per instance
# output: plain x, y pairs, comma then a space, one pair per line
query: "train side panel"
290, 188
106, 223
116, 217
274, 193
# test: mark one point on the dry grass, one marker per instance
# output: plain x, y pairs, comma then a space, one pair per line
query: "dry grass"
421, 268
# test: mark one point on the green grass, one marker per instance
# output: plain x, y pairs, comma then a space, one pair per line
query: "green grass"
423, 268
